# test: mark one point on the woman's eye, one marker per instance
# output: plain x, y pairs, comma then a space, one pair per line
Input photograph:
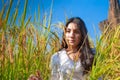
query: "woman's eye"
77, 31
68, 31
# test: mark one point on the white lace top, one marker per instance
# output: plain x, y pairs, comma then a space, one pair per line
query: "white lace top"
64, 68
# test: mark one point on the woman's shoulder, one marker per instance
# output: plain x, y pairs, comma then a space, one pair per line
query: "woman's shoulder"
57, 54
55, 58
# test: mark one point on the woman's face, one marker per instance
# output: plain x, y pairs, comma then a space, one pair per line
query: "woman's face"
72, 35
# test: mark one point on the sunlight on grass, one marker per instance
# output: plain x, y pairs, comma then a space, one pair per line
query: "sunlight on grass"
107, 58
26, 49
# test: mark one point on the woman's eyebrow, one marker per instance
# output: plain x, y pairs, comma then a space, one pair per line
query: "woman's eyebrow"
68, 29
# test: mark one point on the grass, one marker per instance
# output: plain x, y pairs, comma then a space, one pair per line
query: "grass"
26, 49
107, 58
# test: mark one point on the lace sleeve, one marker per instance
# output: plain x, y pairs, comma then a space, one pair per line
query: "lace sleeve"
54, 65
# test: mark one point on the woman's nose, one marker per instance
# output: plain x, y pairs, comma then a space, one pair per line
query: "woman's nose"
72, 34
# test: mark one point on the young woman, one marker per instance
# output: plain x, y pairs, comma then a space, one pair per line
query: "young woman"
75, 57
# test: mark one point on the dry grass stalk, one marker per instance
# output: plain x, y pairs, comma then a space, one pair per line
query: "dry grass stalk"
0, 22
10, 51
3, 42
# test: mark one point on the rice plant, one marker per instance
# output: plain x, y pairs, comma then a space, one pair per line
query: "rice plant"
26, 49
107, 59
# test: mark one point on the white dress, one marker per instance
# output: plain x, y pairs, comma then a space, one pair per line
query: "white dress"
63, 68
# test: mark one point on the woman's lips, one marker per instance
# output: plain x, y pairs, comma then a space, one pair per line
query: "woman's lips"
71, 41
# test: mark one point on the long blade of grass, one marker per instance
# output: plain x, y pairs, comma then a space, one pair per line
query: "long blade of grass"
50, 16
16, 13
28, 21
8, 11
24, 13
38, 13
34, 17
2, 12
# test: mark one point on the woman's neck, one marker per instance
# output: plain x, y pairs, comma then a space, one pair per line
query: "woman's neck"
73, 53
72, 49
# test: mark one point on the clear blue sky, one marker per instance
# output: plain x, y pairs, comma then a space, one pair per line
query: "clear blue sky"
91, 11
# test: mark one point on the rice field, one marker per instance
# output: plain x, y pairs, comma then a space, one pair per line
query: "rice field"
26, 49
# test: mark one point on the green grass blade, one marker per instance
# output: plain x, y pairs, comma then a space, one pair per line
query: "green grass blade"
16, 13
28, 21
2, 12
38, 13
50, 16
24, 13
8, 11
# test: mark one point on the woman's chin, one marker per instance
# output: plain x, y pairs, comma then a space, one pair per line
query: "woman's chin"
72, 44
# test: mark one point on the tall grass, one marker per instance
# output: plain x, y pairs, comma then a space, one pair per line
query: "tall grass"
26, 49
107, 59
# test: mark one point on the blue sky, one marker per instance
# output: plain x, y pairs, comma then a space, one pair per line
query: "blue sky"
91, 11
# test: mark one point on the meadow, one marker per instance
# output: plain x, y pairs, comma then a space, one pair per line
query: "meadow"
26, 48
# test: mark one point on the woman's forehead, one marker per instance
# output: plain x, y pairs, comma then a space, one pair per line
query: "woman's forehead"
72, 26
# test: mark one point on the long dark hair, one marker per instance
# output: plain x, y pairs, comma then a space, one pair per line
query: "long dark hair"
84, 46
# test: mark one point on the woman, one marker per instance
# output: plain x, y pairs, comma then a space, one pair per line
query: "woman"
75, 57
